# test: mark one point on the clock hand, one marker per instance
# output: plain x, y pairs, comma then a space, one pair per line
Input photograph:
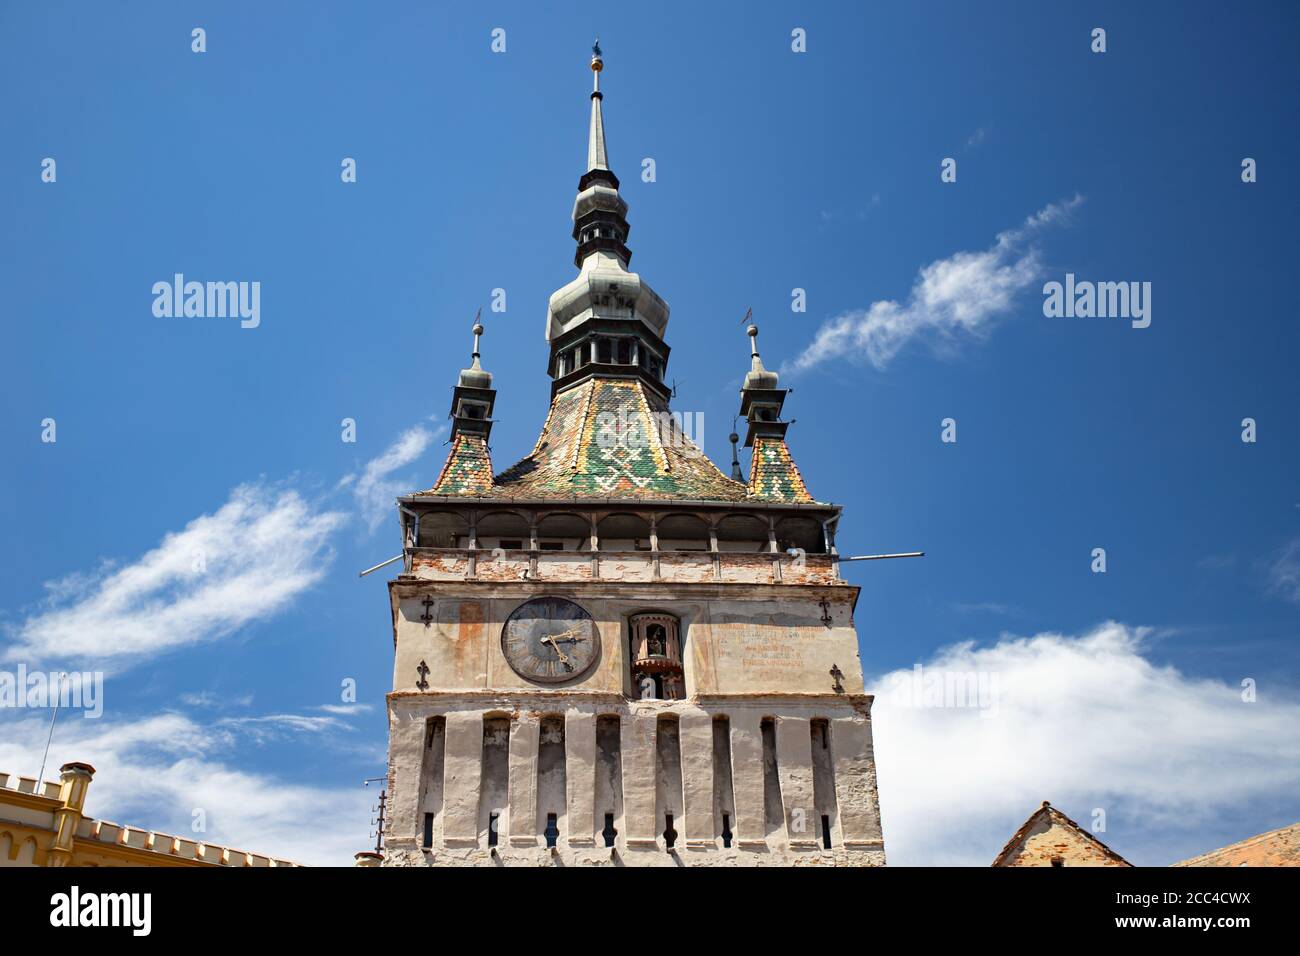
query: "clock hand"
564, 658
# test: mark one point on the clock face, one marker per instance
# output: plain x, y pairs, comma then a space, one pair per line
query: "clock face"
550, 640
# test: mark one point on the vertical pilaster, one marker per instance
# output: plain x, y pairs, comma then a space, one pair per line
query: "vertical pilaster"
855, 783
580, 776
747, 779
697, 778
461, 771
523, 781
794, 763
639, 780
406, 749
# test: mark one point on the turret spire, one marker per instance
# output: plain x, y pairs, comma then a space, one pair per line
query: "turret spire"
772, 472
468, 469
474, 376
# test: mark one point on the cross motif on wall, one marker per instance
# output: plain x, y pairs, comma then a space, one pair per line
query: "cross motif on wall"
837, 675
423, 671
826, 611
427, 616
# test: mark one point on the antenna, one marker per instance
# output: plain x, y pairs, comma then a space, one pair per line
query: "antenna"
58, 697
884, 557
378, 821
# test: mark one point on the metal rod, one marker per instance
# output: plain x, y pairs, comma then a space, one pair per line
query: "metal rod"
382, 564
58, 696
882, 557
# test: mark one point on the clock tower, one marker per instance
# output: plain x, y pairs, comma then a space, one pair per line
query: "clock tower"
611, 653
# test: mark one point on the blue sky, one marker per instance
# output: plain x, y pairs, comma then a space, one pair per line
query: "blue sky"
775, 170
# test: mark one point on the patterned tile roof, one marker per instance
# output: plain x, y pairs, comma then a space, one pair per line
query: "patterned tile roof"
468, 470
612, 438
773, 475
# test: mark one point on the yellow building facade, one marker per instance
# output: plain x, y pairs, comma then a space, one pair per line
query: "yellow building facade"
45, 824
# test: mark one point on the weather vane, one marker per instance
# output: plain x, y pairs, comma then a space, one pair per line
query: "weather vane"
595, 47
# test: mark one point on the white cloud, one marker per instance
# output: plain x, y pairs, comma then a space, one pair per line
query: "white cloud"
247, 561
376, 487
1085, 722
951, 299
154, 772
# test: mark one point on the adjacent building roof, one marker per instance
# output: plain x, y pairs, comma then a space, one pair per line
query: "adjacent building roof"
1050, 838
1274, 848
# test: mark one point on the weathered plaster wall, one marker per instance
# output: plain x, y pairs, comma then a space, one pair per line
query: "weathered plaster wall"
734, 644
653, 757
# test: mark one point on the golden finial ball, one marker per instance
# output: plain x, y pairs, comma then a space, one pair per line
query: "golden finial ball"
597, 64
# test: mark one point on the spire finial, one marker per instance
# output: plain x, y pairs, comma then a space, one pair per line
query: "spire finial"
758, 376
478, 332
752, 332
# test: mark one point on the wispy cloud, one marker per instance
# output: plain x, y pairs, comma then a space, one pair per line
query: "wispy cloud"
858, 212
376, 486
155, 772
269, 727
345, 709
213, 699
1284, 572
951, 299
245, 562
990, 607
1085, 721
977, 137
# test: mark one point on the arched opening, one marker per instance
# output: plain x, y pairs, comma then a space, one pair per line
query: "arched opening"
682, 533
443, 529
745, 533
503, 529
564, 532
623, 532
803, 533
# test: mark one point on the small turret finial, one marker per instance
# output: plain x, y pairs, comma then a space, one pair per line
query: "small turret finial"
758, 376
752, 332
478, 332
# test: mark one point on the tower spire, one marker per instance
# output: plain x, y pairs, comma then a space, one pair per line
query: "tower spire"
606, 322
597, 158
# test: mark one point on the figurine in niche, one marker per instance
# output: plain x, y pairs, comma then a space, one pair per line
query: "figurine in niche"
673, 687
647, 688
655, 638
